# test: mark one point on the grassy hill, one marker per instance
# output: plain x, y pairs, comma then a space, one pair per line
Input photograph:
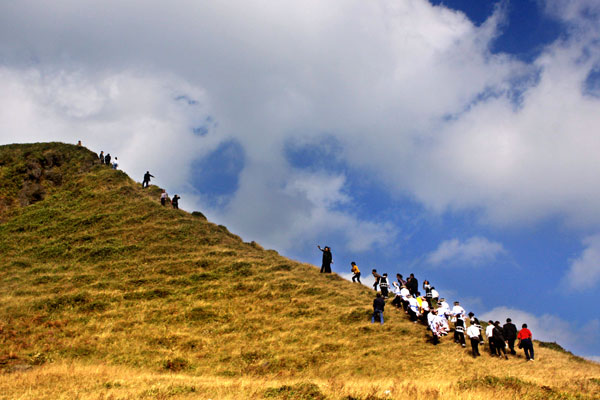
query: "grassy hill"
108, 295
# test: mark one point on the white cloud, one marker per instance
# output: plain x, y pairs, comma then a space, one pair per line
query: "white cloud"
584, 271
473, 251
550, 328
379, 77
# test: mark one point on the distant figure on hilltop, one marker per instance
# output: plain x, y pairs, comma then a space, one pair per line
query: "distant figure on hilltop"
474, 334
378, 306
115, 163
384, 286
356, 272
163, 198
499, 340
175, 202
107, 159
101, 157
146, 180
327, 259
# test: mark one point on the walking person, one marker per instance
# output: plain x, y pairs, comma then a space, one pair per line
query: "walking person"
510, 334
146, 180
383, 285
489, 332
378, 307
175, 202
356, 272
473, 333
327, 259
499, 340
526, 342
377, 278
459, 332
163, 198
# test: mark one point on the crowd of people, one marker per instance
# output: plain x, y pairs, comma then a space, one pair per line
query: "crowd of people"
435, 312
106, 159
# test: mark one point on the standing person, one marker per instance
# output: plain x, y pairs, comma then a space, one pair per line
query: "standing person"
356, 272
146, 180
175, 202
163, 198
413, 285
489, 332
459, 332
101, 156
115, 163
458, 312
510, 334
473, 333
377, 278
526, 342
378, 306
327, 259
107, 159
435, 296
427, 287
499, 340
383, 285
401, 281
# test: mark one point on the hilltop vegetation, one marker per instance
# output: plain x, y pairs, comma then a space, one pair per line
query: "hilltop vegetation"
107, 294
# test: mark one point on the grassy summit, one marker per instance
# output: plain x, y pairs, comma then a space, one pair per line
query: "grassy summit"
107, 294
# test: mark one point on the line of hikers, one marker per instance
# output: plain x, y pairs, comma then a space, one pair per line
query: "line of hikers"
164, 197
105, 159
436, 314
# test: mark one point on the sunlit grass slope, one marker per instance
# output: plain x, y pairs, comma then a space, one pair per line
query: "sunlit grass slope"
107, 294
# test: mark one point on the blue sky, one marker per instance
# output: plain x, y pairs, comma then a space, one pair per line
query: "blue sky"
456, 139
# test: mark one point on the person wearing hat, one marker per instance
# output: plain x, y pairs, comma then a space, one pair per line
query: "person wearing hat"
327, 259
510, 334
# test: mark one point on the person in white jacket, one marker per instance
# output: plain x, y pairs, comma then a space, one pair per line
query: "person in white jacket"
473, 333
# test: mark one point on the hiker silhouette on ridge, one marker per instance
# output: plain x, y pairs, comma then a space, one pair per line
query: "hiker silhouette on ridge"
175, 202
327, 259
146, 180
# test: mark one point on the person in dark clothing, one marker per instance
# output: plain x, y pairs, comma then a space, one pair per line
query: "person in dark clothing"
510, 334
377, 278
378, 306
107, 159
146, 180
401, 281
459, 332
499, 340
412, 284
175, 202
101, 157
383, 285
428, 294
327, 259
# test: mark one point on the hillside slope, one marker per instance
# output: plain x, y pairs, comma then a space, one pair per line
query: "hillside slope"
107, 293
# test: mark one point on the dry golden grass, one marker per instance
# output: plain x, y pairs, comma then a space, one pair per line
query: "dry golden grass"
106, 294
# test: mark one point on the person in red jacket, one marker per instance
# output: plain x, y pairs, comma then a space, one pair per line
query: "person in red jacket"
526, 342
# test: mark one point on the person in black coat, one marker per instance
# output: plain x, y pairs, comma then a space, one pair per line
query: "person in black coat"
510, 334
146, 180
412, 284
107, 159
378, 306
327, 259
499, 340
175, 202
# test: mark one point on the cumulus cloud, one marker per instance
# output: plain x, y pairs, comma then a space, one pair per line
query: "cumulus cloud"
473, 251
410, 91
584, 271
550, 328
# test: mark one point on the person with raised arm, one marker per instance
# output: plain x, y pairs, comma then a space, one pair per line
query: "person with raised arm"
327, 259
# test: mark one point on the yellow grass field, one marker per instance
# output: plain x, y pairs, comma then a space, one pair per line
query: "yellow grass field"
108, 295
